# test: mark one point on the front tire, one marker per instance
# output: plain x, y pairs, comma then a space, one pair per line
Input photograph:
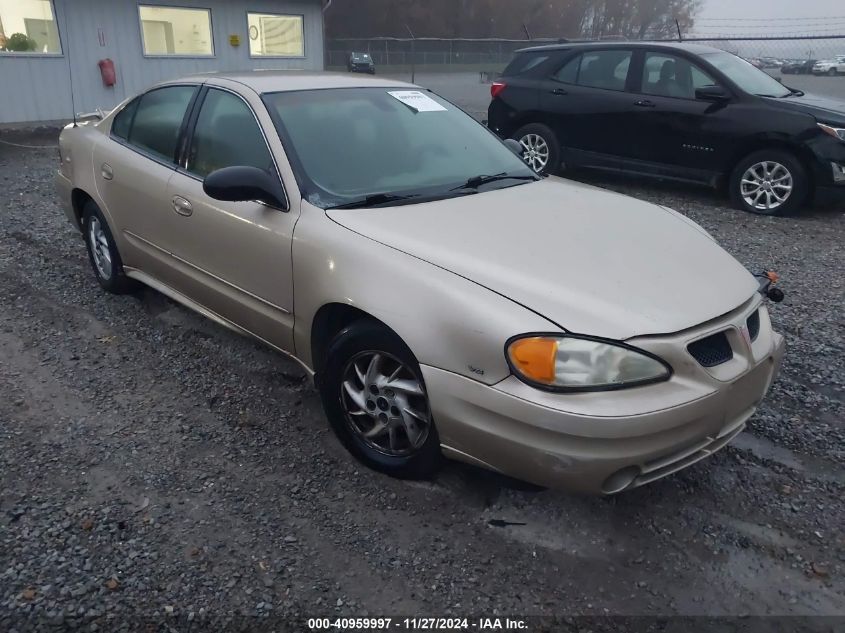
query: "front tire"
540, 147
769, 182
374, 396
832, 72
102, 252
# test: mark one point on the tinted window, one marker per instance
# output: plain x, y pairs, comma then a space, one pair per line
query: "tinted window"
569, 73
350, 143
671, 76
226, 135
604, 69
524, 62
158, 119
123, 120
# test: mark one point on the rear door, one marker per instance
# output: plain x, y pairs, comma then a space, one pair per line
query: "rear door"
587, 101
132, 169
234, 258
674, 130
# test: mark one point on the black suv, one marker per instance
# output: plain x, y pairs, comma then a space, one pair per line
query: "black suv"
673, 111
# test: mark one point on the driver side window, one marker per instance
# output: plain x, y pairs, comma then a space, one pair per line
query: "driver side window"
227, 135
671, 76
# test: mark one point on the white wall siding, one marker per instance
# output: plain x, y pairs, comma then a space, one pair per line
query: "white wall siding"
36, 88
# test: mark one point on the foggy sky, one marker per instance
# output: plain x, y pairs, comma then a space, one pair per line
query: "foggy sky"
763, 9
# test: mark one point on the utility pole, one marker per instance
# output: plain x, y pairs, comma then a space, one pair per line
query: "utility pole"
413, 55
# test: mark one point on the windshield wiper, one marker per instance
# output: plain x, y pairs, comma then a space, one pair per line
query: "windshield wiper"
477, 181
793, 93
373, 200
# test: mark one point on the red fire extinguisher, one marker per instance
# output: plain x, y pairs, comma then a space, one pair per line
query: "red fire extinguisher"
107, 72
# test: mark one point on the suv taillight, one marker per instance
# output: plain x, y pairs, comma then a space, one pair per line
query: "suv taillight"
497, 88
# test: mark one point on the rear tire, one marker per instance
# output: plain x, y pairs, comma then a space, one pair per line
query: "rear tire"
370, 381
102, 252
832, 72
770, 182
540, 148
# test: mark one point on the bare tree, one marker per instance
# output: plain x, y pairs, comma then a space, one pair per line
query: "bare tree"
505, 18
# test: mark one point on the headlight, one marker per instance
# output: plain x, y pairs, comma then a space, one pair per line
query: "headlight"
838, 132
576, 363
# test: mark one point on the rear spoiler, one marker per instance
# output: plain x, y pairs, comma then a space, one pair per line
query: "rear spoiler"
97, 114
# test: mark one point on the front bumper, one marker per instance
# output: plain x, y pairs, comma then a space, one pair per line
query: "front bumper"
603, 443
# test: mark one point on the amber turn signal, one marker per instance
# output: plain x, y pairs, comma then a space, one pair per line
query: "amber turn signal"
535, 358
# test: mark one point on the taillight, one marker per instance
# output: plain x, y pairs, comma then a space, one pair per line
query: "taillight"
497, 88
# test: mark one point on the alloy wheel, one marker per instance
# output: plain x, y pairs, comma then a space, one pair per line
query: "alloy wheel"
100, 248
766, 186
535, 151
385, 403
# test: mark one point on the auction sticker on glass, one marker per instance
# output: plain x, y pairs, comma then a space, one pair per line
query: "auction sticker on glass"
417, 100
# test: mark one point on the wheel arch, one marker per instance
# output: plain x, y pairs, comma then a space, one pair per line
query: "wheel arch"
329, 320
759, 144
79, 198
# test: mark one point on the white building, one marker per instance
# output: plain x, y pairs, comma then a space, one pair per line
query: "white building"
50, 50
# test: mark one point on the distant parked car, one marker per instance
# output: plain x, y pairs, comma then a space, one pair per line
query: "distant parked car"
798, 67
677, 111
830, 67
361, 63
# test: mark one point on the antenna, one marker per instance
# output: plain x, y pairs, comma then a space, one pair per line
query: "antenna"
66, 45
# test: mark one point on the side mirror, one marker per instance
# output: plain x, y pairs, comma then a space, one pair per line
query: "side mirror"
712, 93
243, 184
514, 146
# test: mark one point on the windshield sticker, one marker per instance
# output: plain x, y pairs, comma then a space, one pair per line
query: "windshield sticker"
417, 101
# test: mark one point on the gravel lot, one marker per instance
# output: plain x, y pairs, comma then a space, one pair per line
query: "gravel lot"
153, 464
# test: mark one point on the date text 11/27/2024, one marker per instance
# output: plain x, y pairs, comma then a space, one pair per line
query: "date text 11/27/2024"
416, 624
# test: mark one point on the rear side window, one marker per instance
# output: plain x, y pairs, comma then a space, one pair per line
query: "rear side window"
158, 120
227, 135
123, 120
525, 62
598, 69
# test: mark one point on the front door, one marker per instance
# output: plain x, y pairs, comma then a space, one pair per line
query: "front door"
234, 257
673, 130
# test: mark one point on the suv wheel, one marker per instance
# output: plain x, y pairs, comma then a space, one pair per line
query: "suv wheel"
769, 182
375, 398
540, 148
102, 252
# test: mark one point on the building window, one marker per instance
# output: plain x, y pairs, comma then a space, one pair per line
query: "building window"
29, 26
176, 31
276, 35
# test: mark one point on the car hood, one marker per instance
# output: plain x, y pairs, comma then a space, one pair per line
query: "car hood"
589, 260
825, 109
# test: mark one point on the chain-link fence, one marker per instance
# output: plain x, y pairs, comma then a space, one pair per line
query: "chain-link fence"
771, 54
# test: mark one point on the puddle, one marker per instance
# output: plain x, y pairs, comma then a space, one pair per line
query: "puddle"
810, 466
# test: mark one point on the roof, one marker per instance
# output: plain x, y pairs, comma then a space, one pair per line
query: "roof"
264, 81
684, 46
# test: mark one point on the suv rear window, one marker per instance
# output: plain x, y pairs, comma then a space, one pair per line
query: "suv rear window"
524, 62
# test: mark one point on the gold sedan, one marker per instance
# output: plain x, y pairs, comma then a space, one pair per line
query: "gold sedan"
447, 300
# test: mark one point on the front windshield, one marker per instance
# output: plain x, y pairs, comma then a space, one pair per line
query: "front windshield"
746, 75
347, 144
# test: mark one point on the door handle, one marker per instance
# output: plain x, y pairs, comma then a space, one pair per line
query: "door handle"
559, 92
182, 206
106, 171
645, 103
